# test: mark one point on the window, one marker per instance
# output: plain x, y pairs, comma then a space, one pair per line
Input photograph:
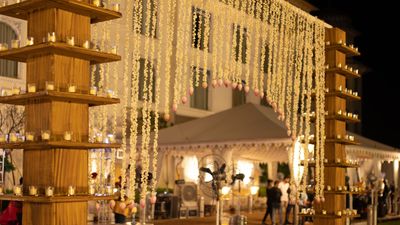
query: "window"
199, 99
238, 97
148, 24
7, 68
142, 69
201, 23
240, 43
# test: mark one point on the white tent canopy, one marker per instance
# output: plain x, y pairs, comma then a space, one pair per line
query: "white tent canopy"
253, 132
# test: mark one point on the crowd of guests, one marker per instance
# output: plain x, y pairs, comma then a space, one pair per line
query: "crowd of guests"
281, 199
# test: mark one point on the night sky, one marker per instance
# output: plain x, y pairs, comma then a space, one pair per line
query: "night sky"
379, 47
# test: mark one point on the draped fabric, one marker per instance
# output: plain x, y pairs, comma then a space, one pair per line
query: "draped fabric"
7, 68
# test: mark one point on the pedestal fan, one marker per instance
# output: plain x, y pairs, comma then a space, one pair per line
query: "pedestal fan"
212, 177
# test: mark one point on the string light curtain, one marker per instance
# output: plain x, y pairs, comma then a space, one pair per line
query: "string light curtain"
267, 47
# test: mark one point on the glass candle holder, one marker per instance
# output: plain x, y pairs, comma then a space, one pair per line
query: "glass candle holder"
354, 211
338, 161
33, 190
110, 93
71, 41
50, 85
45, 135
91, 190
328, 188
67, 135
71, 190
16, 90
111, 138
30, 41
31, 88
116, 7
15, 43
339, 65
51, 37
338, 136
71, 88
345, 188
323, 212
99, 138
3, 138
30, 136
17, 189
96, 3
86, 44
325, 160
351, 138
3, 46
339, 188
339, 213
93, 90
114, 50
13, 137
49, 192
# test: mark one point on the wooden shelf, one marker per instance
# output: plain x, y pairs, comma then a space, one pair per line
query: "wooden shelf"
344, 49
23, 9
341, 141
343, 94
342, 118
56, 144
59, 48
63, 198
342, 71
91, 100
341, 165
329, 215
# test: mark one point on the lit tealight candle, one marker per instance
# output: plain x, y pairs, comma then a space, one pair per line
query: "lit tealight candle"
109, 190
71, 88
356, 49
355, 93
110, 93
3, 46
49, 191
17, 190
339, 188
71, 41
45, 135
340, 88
346, 67
323, 212
67, 135
30, 41
71, 190
339, 112
32, 190
351, 46
116, 7
96, 3
338, 161
16, 90
327, 43
3, 138
93, 91
354, 211
99, 138
31, 88
339, 213
111, 138
30, 136
339, 65
86, 44
325, 160
351, 138
328, 188
13, 137
15, 43
50, 85
340, 42
345, 188
51, 37
356, 71
114, 50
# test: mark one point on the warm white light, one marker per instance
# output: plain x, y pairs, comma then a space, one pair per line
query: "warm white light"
191, 169
254, 190
246, 168
225, 190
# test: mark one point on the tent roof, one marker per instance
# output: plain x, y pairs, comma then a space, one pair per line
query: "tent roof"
248, 122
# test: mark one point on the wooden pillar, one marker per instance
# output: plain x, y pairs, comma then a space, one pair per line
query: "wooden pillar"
57, 162
336, 98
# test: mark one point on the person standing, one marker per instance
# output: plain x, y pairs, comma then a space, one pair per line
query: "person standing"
284, 187
276, 196
269, 203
